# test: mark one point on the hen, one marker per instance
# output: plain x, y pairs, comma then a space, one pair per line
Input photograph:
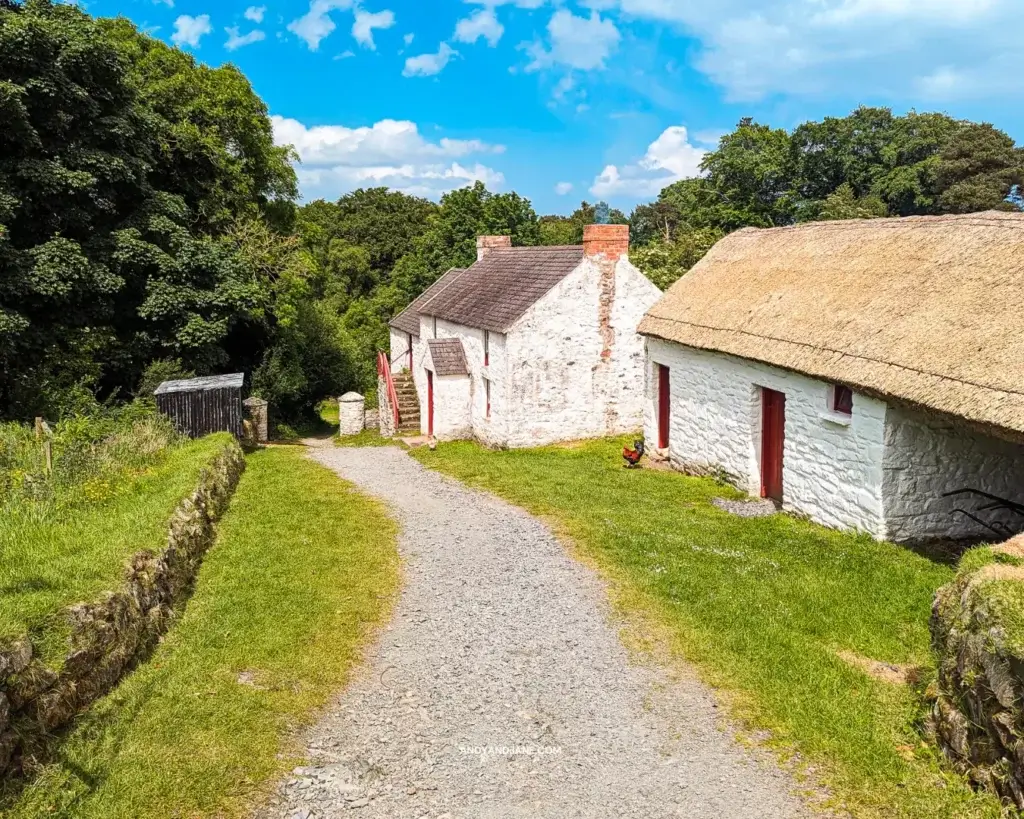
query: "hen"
634, 455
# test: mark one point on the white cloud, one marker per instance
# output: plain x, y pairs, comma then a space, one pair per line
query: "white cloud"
365, 23
316, 24
337, 159
482, 23
838, 48
168, 3
237, 40
408, 38
427, 65
255, 13
669, 158
583, 43
345, 55
188, 31
564, 188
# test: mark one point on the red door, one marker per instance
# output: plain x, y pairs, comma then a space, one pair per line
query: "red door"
773, 439
664, 406
430, 403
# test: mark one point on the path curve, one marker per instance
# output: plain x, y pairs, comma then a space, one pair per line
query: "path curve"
501, 689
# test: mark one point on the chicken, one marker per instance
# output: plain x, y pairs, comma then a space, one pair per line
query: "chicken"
634, 455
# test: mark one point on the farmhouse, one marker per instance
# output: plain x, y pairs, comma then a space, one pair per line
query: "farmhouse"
868, 374
528, 346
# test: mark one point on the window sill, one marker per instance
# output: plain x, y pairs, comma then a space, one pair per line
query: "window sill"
838, 419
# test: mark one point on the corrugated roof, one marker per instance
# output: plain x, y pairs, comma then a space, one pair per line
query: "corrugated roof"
408, 321
926, 309
495, 292
210, 382
449, 356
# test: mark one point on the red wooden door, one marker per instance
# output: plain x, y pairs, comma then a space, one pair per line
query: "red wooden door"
430, 403
773, 439
664, 406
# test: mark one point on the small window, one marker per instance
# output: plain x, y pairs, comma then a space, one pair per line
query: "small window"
487, 348
435, 326
842, 400
487, 392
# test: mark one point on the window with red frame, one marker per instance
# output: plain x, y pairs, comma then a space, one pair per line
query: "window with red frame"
842, 400
487, 390
487, 348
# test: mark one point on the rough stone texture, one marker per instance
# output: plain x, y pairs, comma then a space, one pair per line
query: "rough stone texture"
371, 420
385, 412
351, 413
832, 467
882, 471
978, 716
570, 368
945, 456
258, 411
501, 642
109, 635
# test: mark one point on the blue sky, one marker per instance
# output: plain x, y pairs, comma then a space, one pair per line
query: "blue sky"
595, 99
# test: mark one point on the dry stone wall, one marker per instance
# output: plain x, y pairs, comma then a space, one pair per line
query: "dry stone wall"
977, 631
110, 635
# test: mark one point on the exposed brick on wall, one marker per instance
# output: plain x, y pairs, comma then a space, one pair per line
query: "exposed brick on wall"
610, 241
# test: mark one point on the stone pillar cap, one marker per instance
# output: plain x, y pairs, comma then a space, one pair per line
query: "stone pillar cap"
351, 397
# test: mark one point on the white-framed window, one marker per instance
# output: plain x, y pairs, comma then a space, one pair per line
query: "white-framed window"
840, 399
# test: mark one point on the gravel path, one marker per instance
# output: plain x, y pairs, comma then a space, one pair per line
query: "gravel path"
501, 688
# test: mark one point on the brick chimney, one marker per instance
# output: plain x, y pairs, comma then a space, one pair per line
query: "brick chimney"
611, 241
485, 244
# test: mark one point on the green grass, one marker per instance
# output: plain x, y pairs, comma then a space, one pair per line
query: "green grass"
368, 437
761, 607
51, 558
303, 568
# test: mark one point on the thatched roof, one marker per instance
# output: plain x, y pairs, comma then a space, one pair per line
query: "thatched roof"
929, 310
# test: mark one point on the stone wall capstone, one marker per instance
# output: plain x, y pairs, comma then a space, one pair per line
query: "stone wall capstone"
111, 635
977, 629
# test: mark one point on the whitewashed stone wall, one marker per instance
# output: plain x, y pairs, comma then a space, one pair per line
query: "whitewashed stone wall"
453, 394
399, 348
559, 385
926, 456
832, 467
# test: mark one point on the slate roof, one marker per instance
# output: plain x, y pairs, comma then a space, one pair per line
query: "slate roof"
929, 310
449, 356
497, 291
210, 382
408, 321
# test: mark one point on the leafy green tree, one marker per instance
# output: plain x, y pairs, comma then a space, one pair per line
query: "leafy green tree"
843, 204
664, 263
978, 169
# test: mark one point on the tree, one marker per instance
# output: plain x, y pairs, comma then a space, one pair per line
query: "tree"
666, 262
112, 205
978, 169
843, 204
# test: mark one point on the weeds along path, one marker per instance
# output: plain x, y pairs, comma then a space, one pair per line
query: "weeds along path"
501, 688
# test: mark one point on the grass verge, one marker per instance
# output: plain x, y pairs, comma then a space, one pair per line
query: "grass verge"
303, 568
762, 607
52, 558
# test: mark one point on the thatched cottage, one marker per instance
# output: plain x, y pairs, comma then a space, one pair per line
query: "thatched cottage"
868, 374
530, 345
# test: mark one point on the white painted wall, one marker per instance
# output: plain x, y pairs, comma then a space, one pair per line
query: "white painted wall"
399, 346
832, 471
926, 456
559, 386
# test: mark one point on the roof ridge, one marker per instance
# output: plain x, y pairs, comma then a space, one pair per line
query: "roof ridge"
988, 218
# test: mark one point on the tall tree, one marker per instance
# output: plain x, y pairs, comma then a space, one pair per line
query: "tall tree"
978, 170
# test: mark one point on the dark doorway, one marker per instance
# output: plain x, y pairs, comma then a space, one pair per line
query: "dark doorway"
773, 441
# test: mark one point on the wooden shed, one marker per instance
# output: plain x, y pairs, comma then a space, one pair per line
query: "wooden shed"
201, 406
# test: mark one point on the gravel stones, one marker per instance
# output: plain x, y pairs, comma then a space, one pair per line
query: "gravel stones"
501, 689
747, 508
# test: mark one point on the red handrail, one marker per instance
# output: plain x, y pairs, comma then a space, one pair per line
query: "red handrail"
384, 371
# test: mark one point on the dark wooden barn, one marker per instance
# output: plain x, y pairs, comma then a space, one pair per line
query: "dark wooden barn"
200, 406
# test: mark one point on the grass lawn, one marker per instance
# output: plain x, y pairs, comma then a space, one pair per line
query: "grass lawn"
760, 606
302, 570
368, 437
50, 559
